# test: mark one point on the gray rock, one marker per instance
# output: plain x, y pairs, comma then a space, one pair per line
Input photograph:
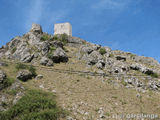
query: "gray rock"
122, 58
24, 75
45, 48
39, 77
46, 61
87, 50
56, 44
142, 69
75, 40
34, 39
146, 60
14, 42
94, 57
59, 55
3, 63
22, 53
100, 64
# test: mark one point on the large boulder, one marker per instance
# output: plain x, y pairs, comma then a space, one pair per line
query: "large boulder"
24, 75
94, 57
46, 61
2, 79
59, 55
100, 64
23, 53
45, 48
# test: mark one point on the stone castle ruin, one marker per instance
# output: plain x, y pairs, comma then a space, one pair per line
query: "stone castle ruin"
62, 28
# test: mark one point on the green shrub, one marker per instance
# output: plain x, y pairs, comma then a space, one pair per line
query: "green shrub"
35, 105
8, 82
55, 37
50, 53
111, 55
63, 38
31, 68
45, 37
13, 50
102, 51
20, 66
154, 75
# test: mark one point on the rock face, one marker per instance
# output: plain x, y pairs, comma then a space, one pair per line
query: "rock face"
36, 47
46, 61
2, 79
59, 56
24, 75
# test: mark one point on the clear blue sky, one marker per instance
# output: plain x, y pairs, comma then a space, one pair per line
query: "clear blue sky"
128, 25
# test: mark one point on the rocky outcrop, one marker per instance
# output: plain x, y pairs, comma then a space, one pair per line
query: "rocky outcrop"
24, 75
59, 55
36, 47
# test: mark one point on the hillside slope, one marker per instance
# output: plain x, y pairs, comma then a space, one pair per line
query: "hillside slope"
90, 81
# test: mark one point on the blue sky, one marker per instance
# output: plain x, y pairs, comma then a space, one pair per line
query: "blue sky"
128, 25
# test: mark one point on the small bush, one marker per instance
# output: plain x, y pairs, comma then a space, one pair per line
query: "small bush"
111, 55
20, 66
63, 38
154, 75
45, 37
55, 37
8, 82
50, 53
14, 50
102, 51
31, 68
35, 105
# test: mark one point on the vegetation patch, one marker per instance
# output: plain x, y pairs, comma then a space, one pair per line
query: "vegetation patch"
35, 105
50, 53
13, 50
45, 37
102, 51
62, 38
111, 55
7, 82
155, 75
31, 68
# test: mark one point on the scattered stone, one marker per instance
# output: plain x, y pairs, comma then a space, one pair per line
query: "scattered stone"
39, 76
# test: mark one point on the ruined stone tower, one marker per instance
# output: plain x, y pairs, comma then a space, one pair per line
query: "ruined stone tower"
62, 28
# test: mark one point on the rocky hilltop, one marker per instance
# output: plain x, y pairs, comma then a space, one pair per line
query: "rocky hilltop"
38, 48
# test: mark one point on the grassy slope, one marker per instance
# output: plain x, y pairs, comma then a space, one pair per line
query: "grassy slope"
90, 93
